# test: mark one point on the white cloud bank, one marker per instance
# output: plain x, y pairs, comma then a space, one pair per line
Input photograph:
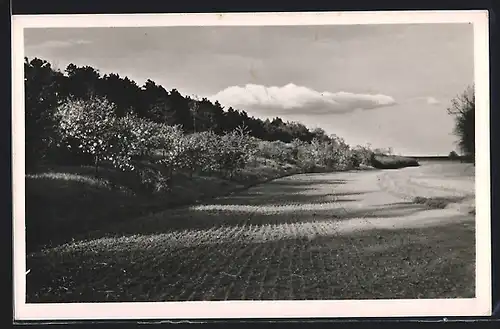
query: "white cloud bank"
293, 99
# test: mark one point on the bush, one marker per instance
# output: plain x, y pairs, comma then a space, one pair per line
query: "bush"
235, 150
152, 179
306, 155
381, 161
198, 152
277, 150
204, 152
361, 155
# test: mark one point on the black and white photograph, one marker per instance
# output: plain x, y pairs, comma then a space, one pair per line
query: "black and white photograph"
248, 165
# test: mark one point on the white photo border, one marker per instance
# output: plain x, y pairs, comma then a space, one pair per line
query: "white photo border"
478, 306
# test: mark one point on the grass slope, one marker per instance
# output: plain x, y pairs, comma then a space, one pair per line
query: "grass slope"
64, 204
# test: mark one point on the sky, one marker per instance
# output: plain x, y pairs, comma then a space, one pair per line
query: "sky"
383, 85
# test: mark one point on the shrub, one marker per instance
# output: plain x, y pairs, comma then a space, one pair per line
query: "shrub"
197, 150
343, 154
151, 178
381, 161
235, 150
306, 156
331, 154
277, 150
361, 155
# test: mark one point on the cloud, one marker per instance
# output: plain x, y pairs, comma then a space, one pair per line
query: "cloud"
432, 101
293, 99
50, 44
429, 100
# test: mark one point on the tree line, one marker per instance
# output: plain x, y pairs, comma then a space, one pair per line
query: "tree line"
80, 117
46, 88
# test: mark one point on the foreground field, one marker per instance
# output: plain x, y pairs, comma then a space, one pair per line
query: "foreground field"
317, 236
